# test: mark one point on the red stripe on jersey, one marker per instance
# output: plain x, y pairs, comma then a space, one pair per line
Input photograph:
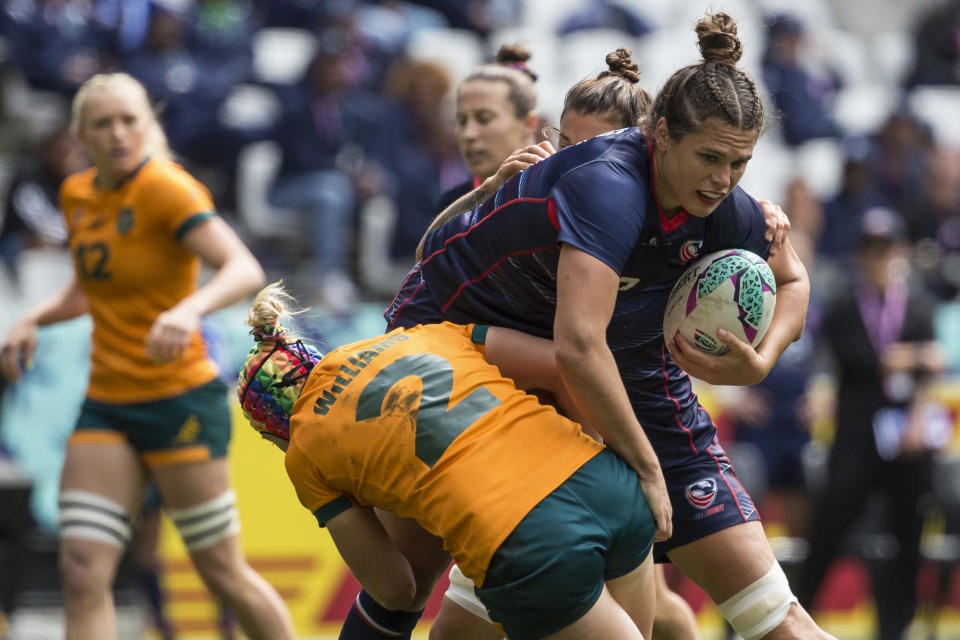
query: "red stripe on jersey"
666, 391
552, 214
720, 471
444, 248
477, 224
496, 264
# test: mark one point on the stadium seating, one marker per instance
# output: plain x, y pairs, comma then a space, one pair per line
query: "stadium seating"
459, 51
257, 167
940, 108
281, 54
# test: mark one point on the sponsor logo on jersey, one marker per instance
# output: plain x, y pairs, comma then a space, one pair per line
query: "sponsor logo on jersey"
701, 493
124, 220
690, 250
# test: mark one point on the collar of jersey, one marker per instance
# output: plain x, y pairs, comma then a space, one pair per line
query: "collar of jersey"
125, 179
667, 224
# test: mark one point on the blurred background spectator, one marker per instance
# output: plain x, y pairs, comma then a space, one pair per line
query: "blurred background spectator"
605, 14
424, 149
936, 45
802, 95
32, 218
54, 43
887, 427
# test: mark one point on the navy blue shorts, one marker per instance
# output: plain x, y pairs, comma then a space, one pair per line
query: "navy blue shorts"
706, 497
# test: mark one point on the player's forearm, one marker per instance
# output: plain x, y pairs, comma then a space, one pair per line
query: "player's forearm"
238, 278
789, 317
67, 303
374, 557
593, 382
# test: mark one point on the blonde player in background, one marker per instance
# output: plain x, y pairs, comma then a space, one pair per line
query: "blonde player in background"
139, 227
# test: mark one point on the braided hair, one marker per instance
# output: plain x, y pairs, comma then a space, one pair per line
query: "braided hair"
714, 88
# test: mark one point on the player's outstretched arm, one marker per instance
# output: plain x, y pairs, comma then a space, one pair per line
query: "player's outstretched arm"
21, 341
586, 294
514, 164
744, 365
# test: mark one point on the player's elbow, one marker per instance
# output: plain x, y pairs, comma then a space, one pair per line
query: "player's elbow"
573, 341
257, 278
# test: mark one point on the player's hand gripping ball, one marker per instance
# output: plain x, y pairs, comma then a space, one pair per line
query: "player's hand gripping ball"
732, 289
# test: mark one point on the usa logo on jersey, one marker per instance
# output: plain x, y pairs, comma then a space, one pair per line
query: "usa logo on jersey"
702, 493
690, 250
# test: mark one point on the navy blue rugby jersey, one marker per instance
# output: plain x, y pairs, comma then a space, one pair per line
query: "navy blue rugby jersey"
498, 265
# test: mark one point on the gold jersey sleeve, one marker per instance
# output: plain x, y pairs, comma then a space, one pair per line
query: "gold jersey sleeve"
131, 263
418, 423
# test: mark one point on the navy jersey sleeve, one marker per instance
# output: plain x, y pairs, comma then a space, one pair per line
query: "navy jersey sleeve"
741, 224
600, 209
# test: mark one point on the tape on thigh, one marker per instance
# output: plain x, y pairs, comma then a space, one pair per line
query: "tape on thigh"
91, 516
206, 524
757, 609
461, 591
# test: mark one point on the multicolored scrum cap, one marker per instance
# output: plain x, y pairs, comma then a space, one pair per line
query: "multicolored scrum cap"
272, 377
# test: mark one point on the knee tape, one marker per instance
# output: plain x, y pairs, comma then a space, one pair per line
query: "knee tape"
461, 592
90, 516
757, 609
206, 524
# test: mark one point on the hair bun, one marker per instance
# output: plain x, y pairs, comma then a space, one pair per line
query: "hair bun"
515, 56
621, 63
509, 53
718, 41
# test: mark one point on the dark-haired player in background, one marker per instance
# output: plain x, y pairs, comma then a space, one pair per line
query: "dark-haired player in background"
495, 115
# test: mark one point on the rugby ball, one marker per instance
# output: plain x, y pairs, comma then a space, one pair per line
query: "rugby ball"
732, 289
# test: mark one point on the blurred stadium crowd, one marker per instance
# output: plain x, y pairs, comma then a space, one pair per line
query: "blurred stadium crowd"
325, 130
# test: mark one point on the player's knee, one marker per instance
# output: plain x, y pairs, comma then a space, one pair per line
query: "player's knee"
760, 607
395, 595
673, 617
83, 575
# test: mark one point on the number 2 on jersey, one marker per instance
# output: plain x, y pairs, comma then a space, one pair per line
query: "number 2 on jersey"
437, 425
